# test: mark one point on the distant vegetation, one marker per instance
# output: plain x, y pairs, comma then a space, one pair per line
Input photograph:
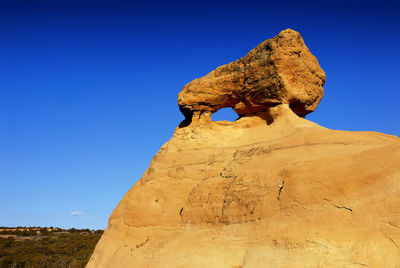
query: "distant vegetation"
46, 247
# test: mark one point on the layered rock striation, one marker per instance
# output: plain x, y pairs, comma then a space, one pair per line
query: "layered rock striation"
271, 189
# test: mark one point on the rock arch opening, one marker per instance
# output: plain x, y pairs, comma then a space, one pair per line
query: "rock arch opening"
225, 114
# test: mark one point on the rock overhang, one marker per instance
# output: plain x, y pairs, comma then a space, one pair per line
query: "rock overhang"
280, 70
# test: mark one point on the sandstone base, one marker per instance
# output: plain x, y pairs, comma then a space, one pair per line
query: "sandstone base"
269, 190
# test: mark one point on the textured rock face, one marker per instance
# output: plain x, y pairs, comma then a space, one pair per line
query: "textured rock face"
279, 70
249, 194
269, 190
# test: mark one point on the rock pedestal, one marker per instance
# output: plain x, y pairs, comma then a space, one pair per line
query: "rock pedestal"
271, 189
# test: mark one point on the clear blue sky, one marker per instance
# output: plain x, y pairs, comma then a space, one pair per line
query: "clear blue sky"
88, 89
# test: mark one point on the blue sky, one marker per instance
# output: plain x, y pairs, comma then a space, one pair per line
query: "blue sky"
88, 89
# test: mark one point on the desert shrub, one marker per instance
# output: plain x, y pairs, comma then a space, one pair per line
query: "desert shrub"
67, 249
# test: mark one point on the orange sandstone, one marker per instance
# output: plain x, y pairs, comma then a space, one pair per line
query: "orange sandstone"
271, 189
279, 70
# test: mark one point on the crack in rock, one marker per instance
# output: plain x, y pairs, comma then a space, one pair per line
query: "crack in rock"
280, 189
361, 264
338, 207
341, 207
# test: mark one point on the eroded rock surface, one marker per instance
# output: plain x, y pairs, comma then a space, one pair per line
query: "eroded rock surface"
279, 70
248, 194
271, 189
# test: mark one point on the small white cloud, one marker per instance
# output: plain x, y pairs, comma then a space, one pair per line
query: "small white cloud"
76, 213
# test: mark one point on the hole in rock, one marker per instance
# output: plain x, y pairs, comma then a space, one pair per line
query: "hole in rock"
227, 114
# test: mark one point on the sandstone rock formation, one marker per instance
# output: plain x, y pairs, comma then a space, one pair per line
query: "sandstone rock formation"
271, 189
279, 70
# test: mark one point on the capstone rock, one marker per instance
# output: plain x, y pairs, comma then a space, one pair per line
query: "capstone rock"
279, 70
